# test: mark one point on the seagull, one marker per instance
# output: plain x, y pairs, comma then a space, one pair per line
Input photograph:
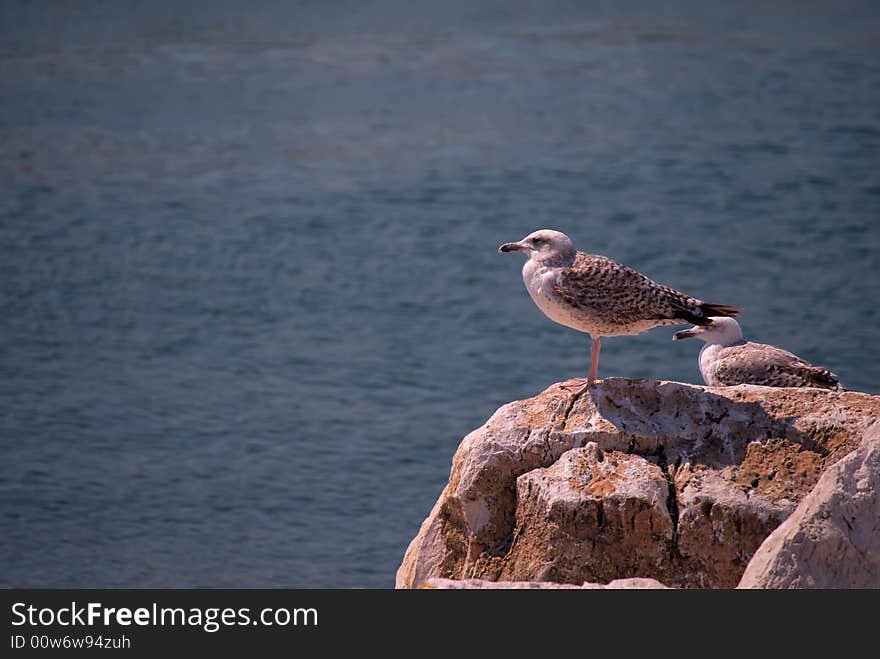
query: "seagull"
727, 359
598, 296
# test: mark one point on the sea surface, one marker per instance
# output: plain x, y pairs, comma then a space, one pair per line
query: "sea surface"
250, 294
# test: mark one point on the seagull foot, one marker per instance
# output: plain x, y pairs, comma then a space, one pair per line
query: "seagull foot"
577, 385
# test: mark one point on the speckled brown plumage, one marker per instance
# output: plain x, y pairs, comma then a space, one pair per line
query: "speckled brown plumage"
614, 299
758, 363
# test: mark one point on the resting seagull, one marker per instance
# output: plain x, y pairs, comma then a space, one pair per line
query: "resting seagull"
601, 297
727, 359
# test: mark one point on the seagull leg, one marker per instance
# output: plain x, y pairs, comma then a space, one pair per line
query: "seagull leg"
585, 383
594, 359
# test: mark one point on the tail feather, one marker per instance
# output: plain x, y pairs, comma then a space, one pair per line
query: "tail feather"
712, 309
824, 378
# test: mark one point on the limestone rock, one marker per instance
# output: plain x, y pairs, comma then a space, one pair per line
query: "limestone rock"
472, 584
608, 509
632, 478
832, 540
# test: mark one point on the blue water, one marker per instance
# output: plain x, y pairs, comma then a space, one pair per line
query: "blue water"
251, 299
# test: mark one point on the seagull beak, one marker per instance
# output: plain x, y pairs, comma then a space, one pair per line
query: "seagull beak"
686, 334
511, 247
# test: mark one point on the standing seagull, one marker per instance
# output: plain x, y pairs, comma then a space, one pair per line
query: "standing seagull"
601, 297
727, 359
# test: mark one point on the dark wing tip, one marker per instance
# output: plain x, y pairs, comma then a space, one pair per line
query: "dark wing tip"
826, 378
712, 309
704, 310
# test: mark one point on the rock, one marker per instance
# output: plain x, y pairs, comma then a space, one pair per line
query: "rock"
607, 508
471, 584
832, 540
633, 478
479, 584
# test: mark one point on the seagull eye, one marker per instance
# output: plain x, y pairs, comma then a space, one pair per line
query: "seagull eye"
538, 241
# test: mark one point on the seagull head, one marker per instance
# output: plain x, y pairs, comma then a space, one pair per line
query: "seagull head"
718, 331
545, 246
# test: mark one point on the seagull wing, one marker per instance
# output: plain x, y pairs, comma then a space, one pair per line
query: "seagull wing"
597, 284
758, 363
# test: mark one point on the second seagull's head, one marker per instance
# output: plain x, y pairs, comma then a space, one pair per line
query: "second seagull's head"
546, 246
718, 331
